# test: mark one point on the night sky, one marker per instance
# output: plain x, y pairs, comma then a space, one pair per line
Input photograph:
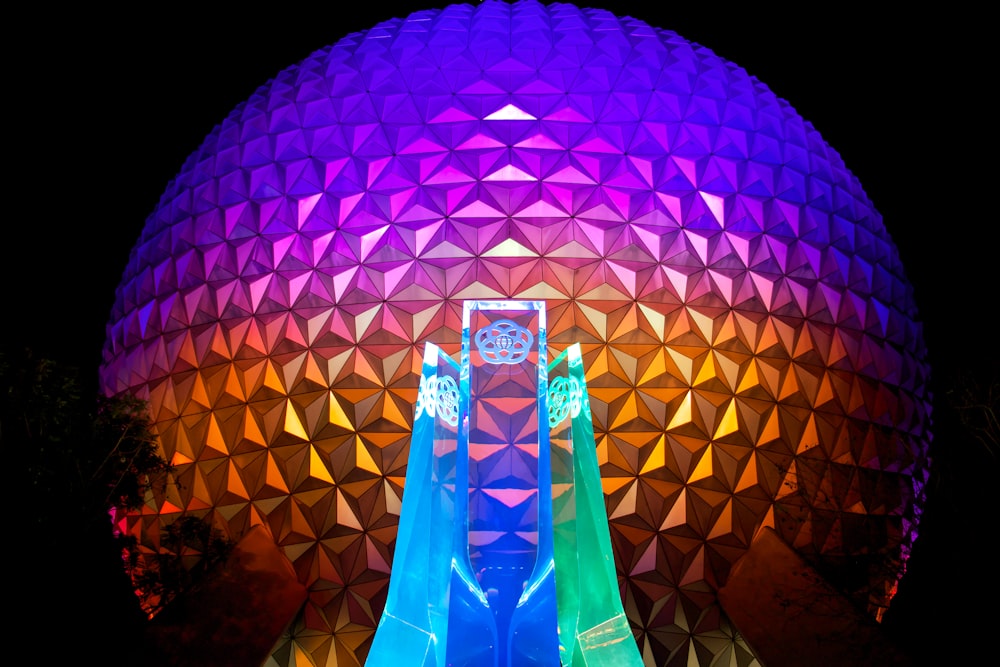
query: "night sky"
104, 108
105, 116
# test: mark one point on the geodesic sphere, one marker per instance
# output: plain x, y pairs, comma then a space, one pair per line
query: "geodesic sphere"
750, 338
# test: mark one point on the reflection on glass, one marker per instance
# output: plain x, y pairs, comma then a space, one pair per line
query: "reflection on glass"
503, 520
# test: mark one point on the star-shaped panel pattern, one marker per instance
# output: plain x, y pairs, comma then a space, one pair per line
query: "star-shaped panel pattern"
752, 347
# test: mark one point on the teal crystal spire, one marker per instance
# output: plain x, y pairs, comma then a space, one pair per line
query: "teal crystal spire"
503, 556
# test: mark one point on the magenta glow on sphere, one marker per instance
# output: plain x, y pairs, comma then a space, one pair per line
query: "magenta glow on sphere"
753, 352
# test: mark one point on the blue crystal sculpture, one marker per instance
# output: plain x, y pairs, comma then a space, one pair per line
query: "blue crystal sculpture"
503, 556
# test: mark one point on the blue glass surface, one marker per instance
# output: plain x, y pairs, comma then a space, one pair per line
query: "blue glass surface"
502, 522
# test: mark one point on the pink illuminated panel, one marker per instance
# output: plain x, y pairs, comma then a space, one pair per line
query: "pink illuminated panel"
752, 347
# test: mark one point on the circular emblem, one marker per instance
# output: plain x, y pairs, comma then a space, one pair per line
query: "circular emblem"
504, 342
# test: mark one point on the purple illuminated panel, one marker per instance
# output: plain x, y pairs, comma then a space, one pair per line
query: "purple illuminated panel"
752, 348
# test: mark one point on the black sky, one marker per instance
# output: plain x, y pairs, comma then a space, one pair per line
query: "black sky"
104, 107
107, 107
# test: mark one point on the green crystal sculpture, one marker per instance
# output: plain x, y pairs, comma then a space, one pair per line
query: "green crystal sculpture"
503, 556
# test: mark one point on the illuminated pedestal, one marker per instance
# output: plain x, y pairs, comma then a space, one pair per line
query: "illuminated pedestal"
503, 555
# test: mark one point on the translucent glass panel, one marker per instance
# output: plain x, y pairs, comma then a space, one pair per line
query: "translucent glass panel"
594, 629
431, 529
510, 489
503, 503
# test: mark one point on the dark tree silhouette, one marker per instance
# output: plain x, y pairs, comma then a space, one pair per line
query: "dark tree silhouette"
75, 457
